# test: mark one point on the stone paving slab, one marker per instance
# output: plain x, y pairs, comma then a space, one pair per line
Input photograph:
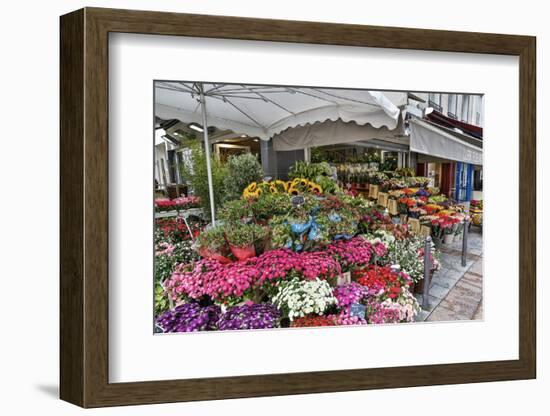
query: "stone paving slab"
462, 302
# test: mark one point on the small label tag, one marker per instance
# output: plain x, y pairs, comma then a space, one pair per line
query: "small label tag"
343, 279
356, 309
297, 200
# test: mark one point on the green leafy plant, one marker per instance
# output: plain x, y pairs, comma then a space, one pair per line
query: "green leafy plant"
235, 211
242, 170
244, 235
310, 171
269, 205
195, 172
213, 239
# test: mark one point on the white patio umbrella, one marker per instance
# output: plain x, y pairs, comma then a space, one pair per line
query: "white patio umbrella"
263, 111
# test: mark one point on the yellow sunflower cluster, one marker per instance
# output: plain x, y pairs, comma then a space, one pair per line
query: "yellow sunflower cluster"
293, 187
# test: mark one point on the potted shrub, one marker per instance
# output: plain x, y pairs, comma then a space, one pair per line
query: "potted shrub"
241, 239
212, 244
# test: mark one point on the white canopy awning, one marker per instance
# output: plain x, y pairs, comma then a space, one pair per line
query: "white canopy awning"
264, 111
329, 133
430, 140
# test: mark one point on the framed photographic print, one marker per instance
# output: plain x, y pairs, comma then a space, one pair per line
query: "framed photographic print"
260, 207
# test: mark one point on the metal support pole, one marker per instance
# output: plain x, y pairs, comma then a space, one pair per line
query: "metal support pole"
427, 270
207, 155
465, 242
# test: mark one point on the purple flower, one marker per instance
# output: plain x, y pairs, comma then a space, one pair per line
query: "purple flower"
256, 316
189, 317
348, 294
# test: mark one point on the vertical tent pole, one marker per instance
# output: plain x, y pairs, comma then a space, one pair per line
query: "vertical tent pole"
207, 153
427, 272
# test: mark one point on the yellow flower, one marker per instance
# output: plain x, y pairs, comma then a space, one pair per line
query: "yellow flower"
317, 189
281, 185
250, 190
273, 189
293, 191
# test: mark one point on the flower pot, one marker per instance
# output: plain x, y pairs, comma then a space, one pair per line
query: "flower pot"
418, 287
448, 238
243, 253
212, 255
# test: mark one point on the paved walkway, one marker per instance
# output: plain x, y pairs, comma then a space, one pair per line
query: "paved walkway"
456, 292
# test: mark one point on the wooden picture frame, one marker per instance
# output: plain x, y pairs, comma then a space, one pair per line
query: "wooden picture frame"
84, 207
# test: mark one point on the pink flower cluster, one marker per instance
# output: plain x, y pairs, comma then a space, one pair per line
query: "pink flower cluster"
182, 202
384, 314
344, 318
349, 293
219, 281
356, 252
212, 278
164, 248
275, 264
319, 264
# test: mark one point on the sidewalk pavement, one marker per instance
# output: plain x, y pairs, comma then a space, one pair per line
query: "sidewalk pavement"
456, 292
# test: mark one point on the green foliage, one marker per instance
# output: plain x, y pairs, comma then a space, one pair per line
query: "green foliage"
269, 205
196, 173
234, 211
161, 300
213, 239
310, 171
241, 170
244, 235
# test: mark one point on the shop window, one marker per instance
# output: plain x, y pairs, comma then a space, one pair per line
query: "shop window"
452, 106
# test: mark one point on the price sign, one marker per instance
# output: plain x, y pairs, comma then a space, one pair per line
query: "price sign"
425, 231
297, 200
383, 199
356, 309
414, 225
392, 207
373, 191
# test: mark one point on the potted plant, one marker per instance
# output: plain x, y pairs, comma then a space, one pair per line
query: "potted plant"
241, 238
212, 244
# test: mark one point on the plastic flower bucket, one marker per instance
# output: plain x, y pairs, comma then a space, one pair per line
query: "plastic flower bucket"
208, 254
448, 238
243, 253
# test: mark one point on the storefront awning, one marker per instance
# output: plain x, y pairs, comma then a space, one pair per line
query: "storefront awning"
329, 133
430, 140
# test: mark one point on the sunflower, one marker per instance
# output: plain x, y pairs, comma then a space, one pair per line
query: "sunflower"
281, 185
293, 191
316, 189
273, 189
251, 190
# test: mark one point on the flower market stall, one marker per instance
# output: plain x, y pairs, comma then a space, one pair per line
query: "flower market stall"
319, 249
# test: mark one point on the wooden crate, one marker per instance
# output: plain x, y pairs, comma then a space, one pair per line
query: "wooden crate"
373, 191
383, 199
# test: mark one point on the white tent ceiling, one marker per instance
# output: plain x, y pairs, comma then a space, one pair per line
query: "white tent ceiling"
263, 111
